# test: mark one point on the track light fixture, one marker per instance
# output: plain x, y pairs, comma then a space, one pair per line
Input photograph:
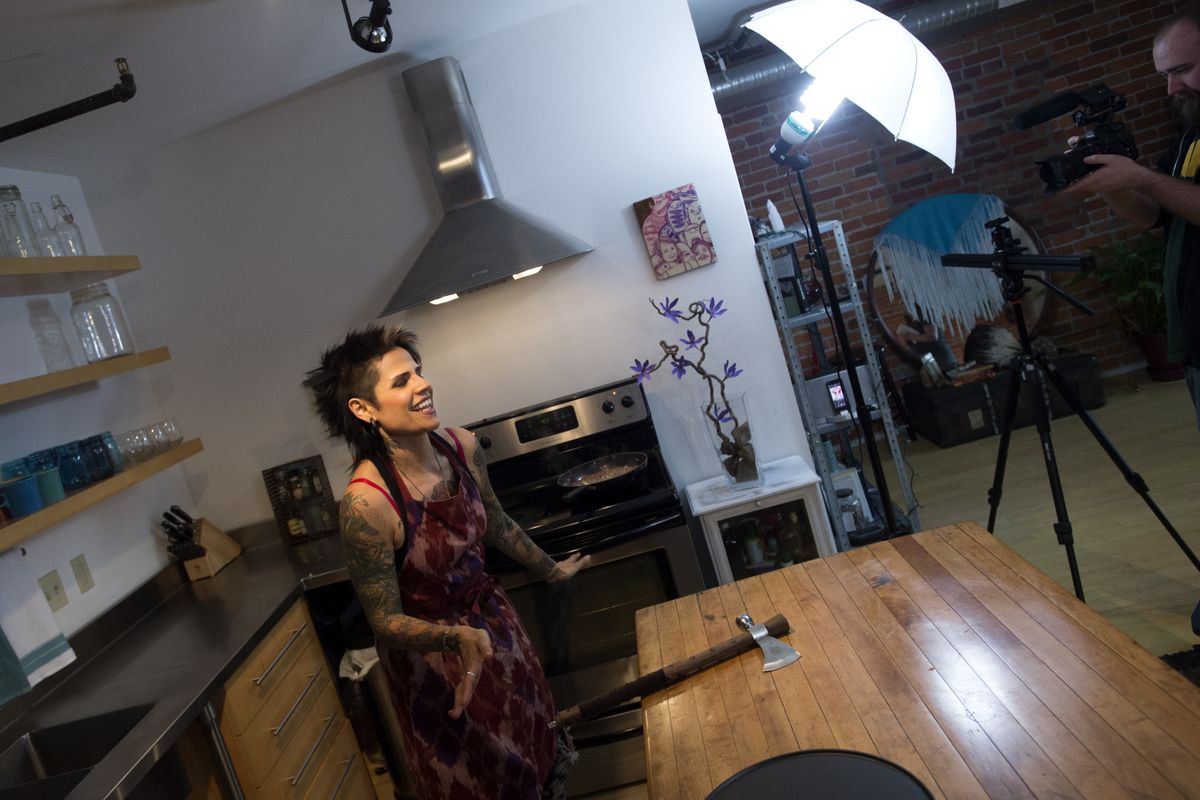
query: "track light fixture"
372, 32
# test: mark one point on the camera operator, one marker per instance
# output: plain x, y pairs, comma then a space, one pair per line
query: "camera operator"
1171, 197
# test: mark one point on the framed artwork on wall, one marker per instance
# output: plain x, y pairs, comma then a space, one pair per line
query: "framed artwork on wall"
675, 232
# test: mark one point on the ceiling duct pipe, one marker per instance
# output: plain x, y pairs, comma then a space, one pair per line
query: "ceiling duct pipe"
741, 80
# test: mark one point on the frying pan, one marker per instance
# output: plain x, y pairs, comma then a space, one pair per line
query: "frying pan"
608, 471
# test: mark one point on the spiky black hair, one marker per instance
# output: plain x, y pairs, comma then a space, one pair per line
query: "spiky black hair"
351, 369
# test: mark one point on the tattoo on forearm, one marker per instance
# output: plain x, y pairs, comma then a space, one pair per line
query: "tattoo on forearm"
506, 535
367, 548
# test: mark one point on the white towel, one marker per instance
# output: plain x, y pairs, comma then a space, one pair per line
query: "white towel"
35, 646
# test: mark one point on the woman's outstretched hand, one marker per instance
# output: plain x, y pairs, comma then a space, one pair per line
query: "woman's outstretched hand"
565, 570
474, 647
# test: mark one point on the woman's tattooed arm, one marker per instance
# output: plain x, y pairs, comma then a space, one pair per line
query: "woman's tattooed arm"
504, 534
367, 547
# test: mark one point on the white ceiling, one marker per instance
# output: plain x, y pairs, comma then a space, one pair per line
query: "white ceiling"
199, 63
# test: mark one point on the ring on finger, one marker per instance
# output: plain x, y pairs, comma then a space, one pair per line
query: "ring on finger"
473, 675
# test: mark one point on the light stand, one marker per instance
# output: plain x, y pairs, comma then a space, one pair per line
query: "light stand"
1032, 369
799, 162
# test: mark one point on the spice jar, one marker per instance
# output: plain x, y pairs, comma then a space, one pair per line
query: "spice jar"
101, 323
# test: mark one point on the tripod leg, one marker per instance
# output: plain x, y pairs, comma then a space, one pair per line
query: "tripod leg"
1132, 478
1006, 423
1062, 528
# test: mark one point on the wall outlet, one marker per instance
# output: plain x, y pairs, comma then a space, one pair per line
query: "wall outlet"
52, 587
83, 574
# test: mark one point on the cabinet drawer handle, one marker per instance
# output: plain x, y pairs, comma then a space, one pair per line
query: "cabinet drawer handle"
312, 679
295, 635
338, 787
312, 751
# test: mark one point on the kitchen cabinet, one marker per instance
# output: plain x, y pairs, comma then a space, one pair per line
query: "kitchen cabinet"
282, 722
778, 266
776, 524
30, 276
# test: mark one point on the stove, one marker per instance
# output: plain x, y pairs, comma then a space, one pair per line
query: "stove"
642, 550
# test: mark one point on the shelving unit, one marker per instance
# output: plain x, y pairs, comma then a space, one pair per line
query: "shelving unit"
26, 276
21, 529
63, 379
35, 276
816, 430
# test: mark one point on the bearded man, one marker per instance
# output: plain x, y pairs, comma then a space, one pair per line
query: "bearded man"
1169, 198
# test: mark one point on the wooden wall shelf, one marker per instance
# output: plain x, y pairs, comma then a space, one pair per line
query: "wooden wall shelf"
24, 528
63, 379
26, 276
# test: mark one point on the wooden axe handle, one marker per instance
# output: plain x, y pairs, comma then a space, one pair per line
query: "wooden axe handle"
655, 681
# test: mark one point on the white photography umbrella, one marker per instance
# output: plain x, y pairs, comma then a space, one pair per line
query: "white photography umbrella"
872, 61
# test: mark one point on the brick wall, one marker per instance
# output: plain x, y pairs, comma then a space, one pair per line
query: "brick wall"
998, 67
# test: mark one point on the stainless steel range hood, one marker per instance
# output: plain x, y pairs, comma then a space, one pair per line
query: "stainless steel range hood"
482, 239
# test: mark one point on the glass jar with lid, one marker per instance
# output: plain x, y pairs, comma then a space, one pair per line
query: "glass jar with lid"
100, 322
19, 236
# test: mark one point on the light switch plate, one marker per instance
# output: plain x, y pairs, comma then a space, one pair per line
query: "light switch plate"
83, 573
52, 587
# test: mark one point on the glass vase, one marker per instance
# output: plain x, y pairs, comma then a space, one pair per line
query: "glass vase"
728, 424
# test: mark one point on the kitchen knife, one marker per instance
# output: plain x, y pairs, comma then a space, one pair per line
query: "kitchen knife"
183, 515
175, 520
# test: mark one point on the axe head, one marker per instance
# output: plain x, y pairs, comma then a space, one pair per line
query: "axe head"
776, 654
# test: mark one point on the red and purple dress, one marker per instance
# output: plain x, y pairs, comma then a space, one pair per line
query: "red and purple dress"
501, 746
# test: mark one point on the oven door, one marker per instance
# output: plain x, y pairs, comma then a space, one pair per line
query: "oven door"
585, 635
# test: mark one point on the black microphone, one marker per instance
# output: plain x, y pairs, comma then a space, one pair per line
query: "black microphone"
1044, 112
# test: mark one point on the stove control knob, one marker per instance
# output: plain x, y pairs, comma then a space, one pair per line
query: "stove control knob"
607, 406
627, 401
485, 441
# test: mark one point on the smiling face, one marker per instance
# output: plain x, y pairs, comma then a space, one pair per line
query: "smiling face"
403, 401
1177, 58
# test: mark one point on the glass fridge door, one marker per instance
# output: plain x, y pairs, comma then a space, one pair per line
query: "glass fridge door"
768, 538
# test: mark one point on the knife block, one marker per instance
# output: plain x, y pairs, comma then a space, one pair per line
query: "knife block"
220, 551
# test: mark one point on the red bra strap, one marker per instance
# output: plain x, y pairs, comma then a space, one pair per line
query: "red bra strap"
457, 445
384, 491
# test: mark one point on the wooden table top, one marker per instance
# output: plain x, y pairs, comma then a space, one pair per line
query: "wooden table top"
944, 652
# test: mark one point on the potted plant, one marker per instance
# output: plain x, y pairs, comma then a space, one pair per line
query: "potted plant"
1134, 272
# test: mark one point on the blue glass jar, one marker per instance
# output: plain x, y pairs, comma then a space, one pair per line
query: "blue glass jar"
113, 452
72, 467
95, 455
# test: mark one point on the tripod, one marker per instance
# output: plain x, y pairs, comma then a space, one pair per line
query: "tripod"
1033, 369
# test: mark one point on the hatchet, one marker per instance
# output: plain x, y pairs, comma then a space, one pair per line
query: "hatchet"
776, 654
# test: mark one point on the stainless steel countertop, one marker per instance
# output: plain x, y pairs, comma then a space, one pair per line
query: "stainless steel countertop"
179, 654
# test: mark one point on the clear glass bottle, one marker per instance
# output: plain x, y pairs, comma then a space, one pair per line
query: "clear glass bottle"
18, 228
100, 322
47, 239
67, 230
48, 333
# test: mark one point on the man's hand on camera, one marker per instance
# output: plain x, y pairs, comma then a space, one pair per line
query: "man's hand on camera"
1116, 173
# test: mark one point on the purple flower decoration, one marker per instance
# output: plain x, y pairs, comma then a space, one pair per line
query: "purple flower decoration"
725, 415
642, 369
692, 342
677, 367
715, 307
667, 307
731, 370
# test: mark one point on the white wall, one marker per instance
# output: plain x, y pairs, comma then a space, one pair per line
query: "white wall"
263, 240
117, 536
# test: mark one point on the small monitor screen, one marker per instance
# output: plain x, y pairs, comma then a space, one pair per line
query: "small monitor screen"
837, 396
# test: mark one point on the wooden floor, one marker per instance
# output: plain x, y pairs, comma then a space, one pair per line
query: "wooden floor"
1132, 571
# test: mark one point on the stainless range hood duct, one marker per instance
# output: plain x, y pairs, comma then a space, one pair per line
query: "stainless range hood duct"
482, 239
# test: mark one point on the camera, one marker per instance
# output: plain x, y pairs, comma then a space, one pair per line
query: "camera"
1096, 107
